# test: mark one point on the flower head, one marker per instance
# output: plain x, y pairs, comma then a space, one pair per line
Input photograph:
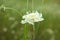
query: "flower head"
32, 17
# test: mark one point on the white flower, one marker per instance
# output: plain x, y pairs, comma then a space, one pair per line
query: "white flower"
32, 17
23, 22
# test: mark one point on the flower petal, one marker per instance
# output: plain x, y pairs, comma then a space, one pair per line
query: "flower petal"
23, 21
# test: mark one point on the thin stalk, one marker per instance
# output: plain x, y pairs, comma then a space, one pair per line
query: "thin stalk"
27, 5
13, 9
25, 27
33, 33
8, 8
32, 5
4, 1
42, 5
25, 32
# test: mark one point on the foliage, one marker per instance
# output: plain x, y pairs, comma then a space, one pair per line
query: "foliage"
12, 29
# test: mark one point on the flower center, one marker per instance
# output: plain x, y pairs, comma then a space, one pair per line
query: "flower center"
32, 16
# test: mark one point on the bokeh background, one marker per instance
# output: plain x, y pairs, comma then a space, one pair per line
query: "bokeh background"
12, 29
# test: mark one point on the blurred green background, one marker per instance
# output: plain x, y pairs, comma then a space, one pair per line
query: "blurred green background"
12, 29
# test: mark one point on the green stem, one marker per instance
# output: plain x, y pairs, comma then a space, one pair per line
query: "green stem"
33, 33
32, 5
25, 32
2, 6
27, 5
13, 9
